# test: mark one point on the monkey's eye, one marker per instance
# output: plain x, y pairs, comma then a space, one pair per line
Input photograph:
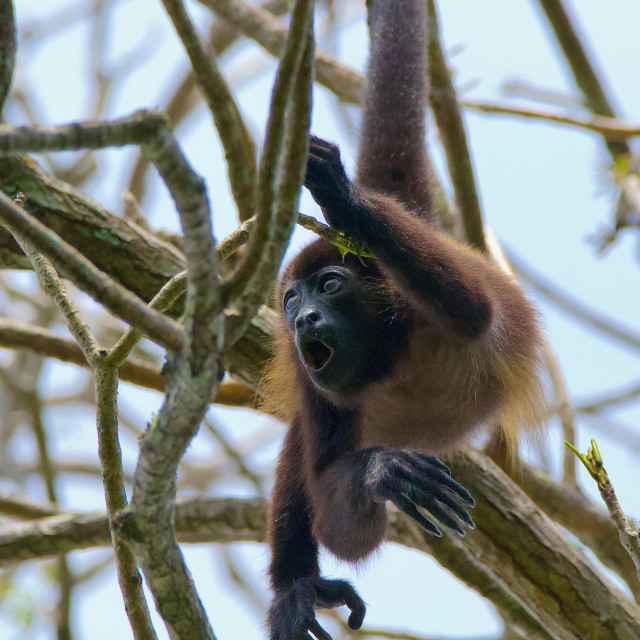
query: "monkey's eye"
291, 301
330, 285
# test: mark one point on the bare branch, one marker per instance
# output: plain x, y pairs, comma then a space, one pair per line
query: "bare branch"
108, 449
236, 139
562, 405
629, 537
163, 301
197, 520
7, 49
194, 375
588, 521
445, 107
281, 173
622, 396
52, 285
100, 286
18, 335
565, 301
22, 509
508, 559
608, 127
106, 389
581, 66
526, 550
271, 34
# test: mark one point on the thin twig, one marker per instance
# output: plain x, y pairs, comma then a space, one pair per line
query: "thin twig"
581, 66
108, 448
444, 103
610, 128
564, 300
629, 537
610, 400
185, 97
235, 137
47, 470
21, 509
107, 291
281, 174
562, 406
163, 301
110, 454
271, 34
52, 285
233, 453
7, 49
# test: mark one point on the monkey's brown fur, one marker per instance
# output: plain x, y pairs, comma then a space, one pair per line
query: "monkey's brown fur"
416, 350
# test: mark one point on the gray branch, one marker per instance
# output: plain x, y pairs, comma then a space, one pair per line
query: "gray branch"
7, 49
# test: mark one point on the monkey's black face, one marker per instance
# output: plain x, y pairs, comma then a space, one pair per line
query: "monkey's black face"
333, 327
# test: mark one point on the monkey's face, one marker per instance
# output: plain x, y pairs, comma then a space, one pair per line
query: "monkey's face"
332, 325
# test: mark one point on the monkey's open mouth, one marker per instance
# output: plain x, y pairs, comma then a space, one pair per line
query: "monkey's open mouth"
316, 354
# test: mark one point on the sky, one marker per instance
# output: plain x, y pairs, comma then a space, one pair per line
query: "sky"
543, 190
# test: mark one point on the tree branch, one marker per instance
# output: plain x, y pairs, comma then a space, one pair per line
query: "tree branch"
275, 215
608, 127
443, 100
516, 557
271, 34
236, 140
101, 287
582, 68
562, 299
7, 49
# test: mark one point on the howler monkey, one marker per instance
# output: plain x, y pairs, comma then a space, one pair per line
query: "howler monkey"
382, 366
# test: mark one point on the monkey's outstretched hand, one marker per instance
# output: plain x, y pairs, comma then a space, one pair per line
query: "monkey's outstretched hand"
411, 479
328, 183
292, 614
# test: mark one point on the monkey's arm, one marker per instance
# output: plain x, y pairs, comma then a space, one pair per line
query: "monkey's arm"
348, 498
294, 571
348, 486
439, 277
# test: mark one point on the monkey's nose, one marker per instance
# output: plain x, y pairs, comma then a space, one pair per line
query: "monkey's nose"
310, 317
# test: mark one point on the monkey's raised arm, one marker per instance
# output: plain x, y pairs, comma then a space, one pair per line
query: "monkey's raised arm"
440, 277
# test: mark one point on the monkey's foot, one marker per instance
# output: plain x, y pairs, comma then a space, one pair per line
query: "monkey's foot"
292, 615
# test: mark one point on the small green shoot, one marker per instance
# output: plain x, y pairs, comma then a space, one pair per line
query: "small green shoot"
592, 461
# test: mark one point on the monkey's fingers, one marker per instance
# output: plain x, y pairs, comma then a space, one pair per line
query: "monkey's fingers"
451, 502
444, 513
441, 514
440, 485
405, 505
323, 147
358, 609
425, 491
318, 631
444, 492
335, 593
431, 461
456, 490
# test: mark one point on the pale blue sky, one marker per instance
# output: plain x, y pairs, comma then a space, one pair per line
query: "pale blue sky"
542, 189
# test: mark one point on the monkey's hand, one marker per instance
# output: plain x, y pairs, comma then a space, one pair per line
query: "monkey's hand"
411, 479
328, 184
292, 615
